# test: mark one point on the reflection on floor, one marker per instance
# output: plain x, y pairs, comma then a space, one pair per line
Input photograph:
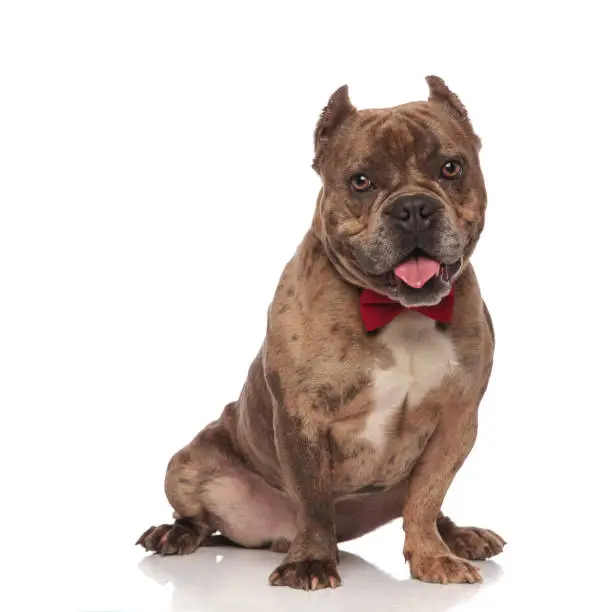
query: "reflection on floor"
233, 578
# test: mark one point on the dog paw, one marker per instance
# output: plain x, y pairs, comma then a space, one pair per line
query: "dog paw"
473, 543
177, 539
308, 574
443, 569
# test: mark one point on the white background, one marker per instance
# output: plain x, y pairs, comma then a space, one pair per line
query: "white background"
154, 179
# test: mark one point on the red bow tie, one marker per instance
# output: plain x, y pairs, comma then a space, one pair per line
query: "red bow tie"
378, 310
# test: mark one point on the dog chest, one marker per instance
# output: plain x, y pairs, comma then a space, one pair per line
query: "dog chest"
422, 356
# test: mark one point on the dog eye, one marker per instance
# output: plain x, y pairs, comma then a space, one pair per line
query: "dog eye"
360, 182
451, 170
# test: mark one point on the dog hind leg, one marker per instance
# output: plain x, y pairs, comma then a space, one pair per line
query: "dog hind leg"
211, 490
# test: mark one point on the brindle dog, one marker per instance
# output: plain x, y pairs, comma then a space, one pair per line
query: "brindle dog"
338, 431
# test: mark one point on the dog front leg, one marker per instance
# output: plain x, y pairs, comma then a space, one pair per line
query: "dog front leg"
304, 452
430, 558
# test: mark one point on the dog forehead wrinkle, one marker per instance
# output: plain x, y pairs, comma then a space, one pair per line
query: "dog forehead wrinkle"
421, 131
436, 135
370, 122
381, 145
403, 142
398, 137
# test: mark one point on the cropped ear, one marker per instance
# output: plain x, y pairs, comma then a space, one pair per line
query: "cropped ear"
439, 92
338, 108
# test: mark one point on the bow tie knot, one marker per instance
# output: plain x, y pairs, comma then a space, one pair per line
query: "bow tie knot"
379, 310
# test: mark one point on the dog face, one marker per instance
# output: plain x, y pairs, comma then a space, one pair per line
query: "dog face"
403, 197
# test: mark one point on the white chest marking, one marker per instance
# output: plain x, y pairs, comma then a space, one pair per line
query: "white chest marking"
422, 356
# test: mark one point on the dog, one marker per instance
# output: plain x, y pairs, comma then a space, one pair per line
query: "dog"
361, 405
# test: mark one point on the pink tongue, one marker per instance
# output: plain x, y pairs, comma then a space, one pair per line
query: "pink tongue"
416, 271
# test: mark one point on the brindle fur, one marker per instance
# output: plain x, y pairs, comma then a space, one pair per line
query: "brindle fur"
287, 466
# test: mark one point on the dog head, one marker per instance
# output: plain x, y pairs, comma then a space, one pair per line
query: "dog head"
403, 199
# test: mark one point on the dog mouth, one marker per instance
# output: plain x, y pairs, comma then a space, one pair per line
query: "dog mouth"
419, 270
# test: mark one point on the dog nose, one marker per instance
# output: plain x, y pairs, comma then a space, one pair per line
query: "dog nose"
414, 212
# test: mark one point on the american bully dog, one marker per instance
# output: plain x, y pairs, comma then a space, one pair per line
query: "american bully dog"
362, 403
